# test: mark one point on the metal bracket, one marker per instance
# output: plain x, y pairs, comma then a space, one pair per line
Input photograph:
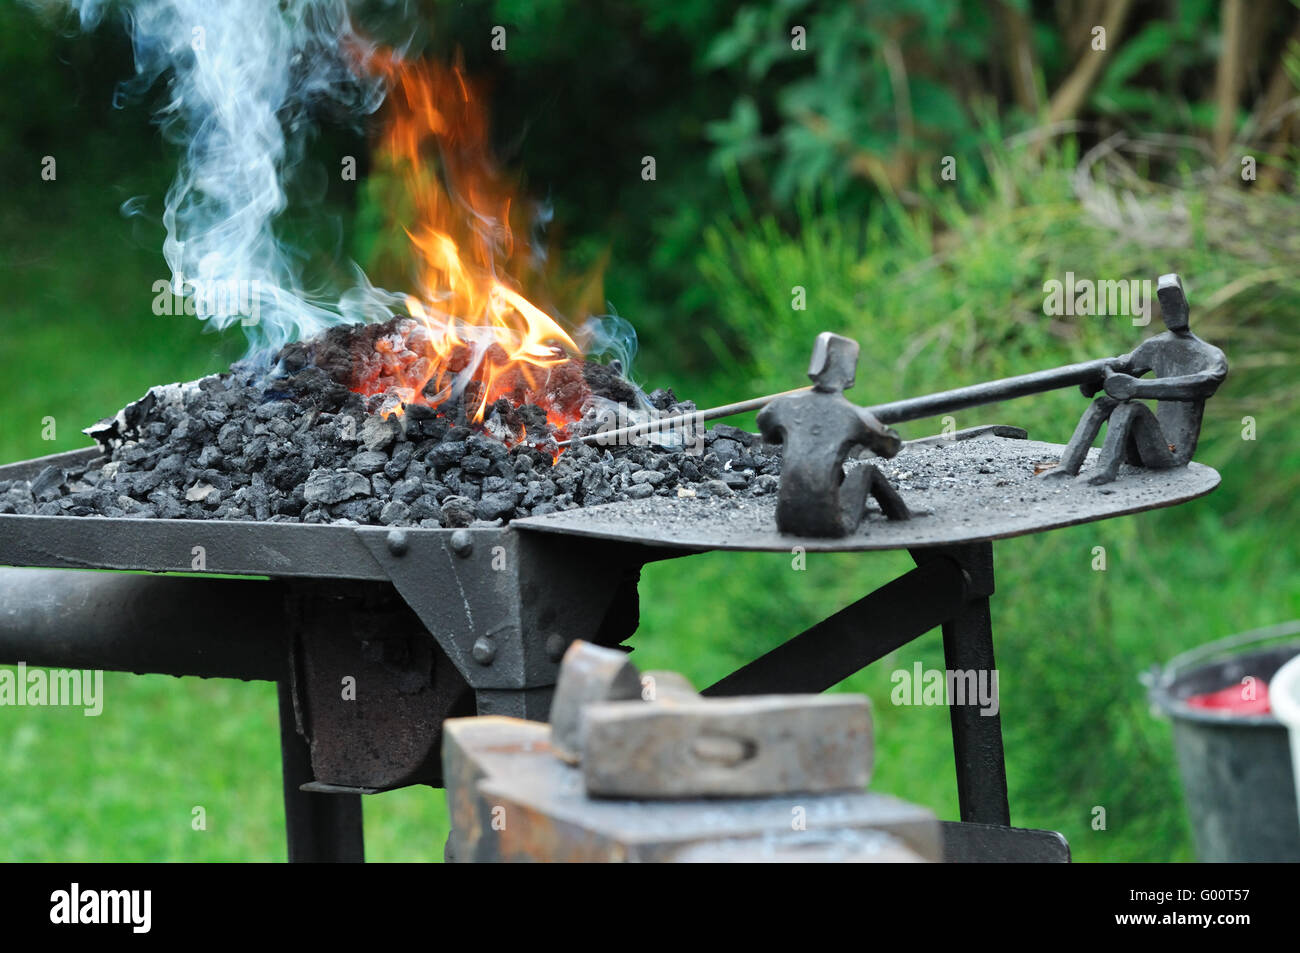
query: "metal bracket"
505, 606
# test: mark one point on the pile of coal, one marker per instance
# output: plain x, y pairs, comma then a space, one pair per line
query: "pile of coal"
301, 446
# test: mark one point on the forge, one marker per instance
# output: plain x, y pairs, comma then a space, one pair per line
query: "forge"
384, 566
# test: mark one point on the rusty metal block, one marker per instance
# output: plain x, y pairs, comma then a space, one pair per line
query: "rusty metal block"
733, 747
512, 800
474, 749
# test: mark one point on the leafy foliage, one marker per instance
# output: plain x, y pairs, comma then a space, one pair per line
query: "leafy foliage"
837, 101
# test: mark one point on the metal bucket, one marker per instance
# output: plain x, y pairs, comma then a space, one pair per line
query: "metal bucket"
1236, 769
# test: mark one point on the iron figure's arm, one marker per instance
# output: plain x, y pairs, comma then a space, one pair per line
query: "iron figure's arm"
769, 426
883, 441
1121, 378
1134, 364
1197, 386
1124, 364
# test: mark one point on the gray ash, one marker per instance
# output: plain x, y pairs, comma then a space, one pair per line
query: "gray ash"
300, 445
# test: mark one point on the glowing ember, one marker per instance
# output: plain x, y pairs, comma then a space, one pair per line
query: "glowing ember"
473, 332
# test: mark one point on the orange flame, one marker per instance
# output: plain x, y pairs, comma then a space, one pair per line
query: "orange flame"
474, 331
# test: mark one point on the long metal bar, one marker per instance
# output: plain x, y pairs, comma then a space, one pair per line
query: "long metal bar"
321, 828
230, 547
989, 392
898, 411
662, 424
214, 628
856, 636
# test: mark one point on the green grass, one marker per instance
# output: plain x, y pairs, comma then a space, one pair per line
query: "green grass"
124, 785
940, 292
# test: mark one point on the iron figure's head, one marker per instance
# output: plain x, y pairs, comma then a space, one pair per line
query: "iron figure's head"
1173, 302
834, 362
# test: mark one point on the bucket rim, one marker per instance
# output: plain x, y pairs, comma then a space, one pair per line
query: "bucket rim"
1159, 680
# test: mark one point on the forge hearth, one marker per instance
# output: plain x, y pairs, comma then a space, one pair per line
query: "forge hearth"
322, 437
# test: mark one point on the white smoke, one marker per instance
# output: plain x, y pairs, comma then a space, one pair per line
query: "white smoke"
609, 336
243, 77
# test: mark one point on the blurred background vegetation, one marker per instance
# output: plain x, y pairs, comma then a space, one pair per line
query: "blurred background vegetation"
776, 167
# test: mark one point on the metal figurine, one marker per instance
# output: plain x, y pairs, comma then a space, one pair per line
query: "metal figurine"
1187, 372
821, 429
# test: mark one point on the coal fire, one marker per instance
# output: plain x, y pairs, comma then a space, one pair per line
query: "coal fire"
302, 445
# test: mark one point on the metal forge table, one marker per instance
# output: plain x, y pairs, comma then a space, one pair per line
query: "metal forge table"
376, 635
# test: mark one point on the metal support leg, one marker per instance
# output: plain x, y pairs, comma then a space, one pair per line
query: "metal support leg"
321, 828
976, 736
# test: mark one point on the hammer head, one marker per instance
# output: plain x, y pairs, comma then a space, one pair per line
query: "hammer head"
589, 673
1173, 302
834, 362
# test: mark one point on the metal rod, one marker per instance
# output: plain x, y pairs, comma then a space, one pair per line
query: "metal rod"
990, 392
214, 628
320, 828
667, 423
910, 408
